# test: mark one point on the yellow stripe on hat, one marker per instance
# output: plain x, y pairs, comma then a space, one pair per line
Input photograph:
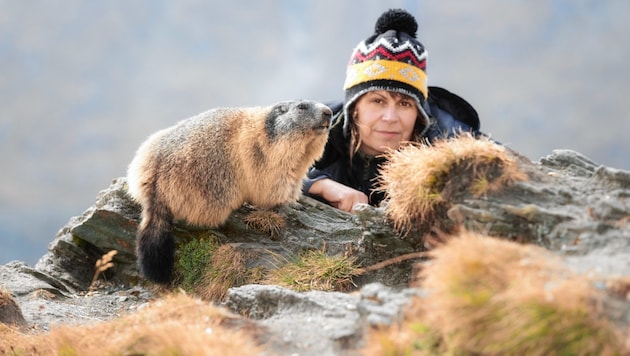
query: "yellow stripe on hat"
383, 69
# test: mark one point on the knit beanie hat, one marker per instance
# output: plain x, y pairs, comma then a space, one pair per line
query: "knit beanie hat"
391, 59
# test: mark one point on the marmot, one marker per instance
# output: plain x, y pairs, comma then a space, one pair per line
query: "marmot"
203, 168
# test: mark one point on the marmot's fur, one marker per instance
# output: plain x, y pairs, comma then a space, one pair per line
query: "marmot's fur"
203, 168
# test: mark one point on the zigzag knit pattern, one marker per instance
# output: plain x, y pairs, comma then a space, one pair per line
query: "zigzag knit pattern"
384, 48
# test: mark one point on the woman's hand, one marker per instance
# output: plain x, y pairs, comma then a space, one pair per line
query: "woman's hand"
338, 195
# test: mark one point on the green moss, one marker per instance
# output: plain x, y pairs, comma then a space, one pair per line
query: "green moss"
78, 241
206, 268
192, 260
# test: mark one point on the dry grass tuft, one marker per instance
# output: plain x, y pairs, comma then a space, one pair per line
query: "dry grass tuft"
12, 340
208, 269
267, 221
491, 296
420, 180
406, 338
314, 270
227, 269
103, 264
176, 325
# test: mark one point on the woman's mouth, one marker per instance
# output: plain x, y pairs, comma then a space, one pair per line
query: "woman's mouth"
388, 133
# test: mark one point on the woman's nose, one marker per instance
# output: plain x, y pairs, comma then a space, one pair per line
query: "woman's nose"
390, 113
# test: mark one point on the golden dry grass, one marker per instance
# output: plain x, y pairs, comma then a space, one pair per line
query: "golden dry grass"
420, 180
11, 337
314, 270
175, 325
227, 269
491, 296
102, 264
266, 221
207, 269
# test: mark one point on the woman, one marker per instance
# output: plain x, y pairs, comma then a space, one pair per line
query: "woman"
387, 102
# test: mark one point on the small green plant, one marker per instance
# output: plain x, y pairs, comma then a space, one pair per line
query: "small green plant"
193, 259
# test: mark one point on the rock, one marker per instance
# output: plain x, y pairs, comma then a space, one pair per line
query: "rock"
569, 205
108, 225
10, 312
46, 301
22, 280
299, 322
111, 225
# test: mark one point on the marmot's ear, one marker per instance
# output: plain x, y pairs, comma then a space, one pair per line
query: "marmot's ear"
279, 109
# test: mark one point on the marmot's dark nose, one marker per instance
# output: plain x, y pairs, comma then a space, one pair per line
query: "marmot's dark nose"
326, 114
326, 117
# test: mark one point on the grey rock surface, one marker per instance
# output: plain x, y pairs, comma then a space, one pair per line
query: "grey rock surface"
46, 302
569, 205
298, 322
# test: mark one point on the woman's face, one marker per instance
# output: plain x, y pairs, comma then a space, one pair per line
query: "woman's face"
384, 120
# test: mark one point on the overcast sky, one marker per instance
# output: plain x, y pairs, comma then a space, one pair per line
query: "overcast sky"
84, 82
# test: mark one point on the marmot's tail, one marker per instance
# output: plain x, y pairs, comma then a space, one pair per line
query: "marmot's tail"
155, 243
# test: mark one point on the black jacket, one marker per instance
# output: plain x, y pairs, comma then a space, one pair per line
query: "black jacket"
449, 114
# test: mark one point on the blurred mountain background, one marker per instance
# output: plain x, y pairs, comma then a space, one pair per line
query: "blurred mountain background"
83, 83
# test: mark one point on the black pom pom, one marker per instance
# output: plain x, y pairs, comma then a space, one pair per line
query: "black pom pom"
396, 19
